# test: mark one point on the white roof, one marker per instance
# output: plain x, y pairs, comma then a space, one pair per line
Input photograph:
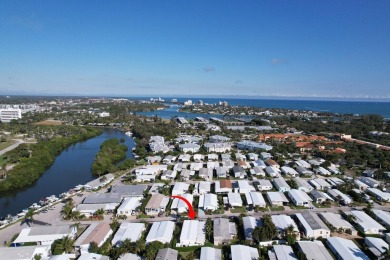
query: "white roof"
377, 243
281, 183
346, 249
284, 252
180, 188
249, 224
366, 221
303, 183
130, 203
178, 203
289, 170
204, 185
161, 231
93, 256
193, 231
265, 182
314, 250
335, 193
311, 221
208, 200
336, 220
276, 196
22, 252
255, 198
131, 231
240, 252
44, 233
245, 186
379, 193
209, 253
283, 221
234, 198
321, 182
382, 215
299, 195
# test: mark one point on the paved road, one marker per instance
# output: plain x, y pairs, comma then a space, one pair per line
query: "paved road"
11, 147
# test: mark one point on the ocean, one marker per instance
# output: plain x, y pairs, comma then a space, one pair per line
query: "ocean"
341, 107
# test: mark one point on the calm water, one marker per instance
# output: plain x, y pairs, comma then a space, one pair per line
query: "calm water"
71, 167
342, 107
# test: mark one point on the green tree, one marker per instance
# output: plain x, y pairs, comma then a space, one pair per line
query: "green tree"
209, 229
93, 247
153, 248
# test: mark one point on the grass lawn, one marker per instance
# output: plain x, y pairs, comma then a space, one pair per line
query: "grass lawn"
318, 205
239, 210
280, 208
6, 144
143, 216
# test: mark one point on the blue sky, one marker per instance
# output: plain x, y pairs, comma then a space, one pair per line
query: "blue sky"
262, 48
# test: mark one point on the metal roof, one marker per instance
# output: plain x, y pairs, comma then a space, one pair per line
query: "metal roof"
346, 249
314, 250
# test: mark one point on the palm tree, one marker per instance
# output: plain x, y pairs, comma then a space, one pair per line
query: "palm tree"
29, 217
351, 218
67, 244
67, 212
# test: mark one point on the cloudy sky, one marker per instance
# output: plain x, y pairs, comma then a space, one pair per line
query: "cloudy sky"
184, 47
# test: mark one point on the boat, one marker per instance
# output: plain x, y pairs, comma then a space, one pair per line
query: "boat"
128, 133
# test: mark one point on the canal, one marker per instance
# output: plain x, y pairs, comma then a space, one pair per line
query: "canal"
71, 167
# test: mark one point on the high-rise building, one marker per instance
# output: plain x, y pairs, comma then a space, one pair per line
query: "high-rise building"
8, 114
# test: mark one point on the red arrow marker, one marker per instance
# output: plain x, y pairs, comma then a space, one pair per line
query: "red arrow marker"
191, 212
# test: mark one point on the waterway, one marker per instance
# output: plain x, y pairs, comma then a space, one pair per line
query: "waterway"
71, 167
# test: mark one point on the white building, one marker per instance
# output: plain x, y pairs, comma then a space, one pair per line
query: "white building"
129, 206
323, 171
276, 198
189, 147
243, 187
223, 186
209, 253
367, 224
251, 145
303, 185
235, 199
264, 184
299, 198
345, 249
218, 147
255, 199
206, 173
45, 235
380, 195
180, 188
282, 252
289, 171
208, 202
249, 224
168, 175
180, 206
161, 231
382, 216
281, 184
258, 171
149, 172
337, 221
282, 222
24, 252
377, 246
240, 252
272, 171
320, 184
303, 163
222, 172
97, 232
223, 231
203, 187
156, 204
338, 195
8, 114
312, 225
193, 233
314, 250
130, 231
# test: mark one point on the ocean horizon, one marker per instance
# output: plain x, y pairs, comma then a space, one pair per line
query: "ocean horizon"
334, 106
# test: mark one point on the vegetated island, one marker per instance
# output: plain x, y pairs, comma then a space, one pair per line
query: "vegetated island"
34, 160
112, 151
